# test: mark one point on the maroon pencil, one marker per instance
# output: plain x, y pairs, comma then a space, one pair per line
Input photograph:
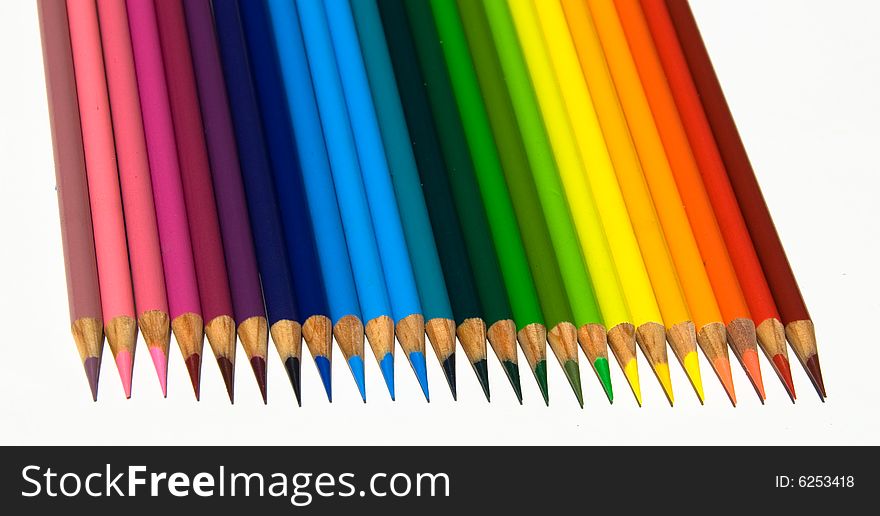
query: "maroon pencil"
792, 309
77, 240
201, 209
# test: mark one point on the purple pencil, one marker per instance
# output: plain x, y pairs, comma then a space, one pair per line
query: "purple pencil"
241, 261
195, 170
174, 238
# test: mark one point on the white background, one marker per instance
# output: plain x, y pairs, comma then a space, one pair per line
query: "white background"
803, 80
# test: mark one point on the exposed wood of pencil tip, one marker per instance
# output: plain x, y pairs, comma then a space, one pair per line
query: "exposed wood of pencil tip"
287, 336
411, 333
121, 333
221, 336
189, 332
472, 334
380, 335
712, 338
563, 341
622, 341
682, 339
802, 337
317, 331
651, 337
771, 337
594, 341
533, 341
88, 335
254, 335
155, 326
349, 333
502, 337
441, 333
743, 338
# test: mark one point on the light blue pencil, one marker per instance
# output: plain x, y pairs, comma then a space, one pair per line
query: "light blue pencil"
350, 192
399, 276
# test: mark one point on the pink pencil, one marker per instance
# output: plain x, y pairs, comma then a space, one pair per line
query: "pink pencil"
114, 277
174, 238
137, 193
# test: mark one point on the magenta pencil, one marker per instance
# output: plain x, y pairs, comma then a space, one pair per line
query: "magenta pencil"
114, 277
174, 239
151, 303
198, 191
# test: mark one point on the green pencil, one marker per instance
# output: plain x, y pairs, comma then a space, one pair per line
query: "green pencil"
501, 283
533, 181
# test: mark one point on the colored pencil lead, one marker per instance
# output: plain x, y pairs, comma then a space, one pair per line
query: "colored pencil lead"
318, 333
221, 337
89, 338
121, 333
533, 342
254, 335
287, 336
156, 329
380, 335
472, 334
502, 337
349, 333
622, 341
683, 341
189, 332
741, 334
563, 342
594, 341
441, 333
652, 340
411, 335
802, 337
713, 341
771, 335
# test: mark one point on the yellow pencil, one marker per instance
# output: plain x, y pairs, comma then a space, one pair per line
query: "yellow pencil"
654, 292
587, 222
643, 169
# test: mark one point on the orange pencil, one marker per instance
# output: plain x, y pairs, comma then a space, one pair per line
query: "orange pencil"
741, 332
711, 331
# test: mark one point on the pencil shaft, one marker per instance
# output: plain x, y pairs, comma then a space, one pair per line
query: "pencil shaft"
238, 246
315, 165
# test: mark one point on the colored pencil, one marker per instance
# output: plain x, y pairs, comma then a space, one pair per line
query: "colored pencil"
399, 276
747, 266
498, 302
77, 240
321, 195
549, 278
114, 276
447, 228
348, 176
278, 288
740, 327
793, 311
600, 173
557, 141
405, 179
198, 191
238, 246
299, 236
148, 280
174, 239
710, 328
636, 196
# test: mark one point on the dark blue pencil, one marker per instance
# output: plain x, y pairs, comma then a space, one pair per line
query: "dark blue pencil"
300, 238
278, 284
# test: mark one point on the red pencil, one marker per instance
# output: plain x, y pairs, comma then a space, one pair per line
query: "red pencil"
763, 309
792, 309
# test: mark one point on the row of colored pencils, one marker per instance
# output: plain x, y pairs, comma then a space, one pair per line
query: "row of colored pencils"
512, 171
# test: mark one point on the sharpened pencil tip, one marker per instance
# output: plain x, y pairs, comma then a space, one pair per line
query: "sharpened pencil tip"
631, 371
160, 363
573, 373
816, 375
604, 374
294, 367
511, 368
324, 371
258, 365
386, 365
420, 368
783, 369
92, 366
449, 372
482, 370
356, 364
227, 371
194, 368
540, 372
124, 363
